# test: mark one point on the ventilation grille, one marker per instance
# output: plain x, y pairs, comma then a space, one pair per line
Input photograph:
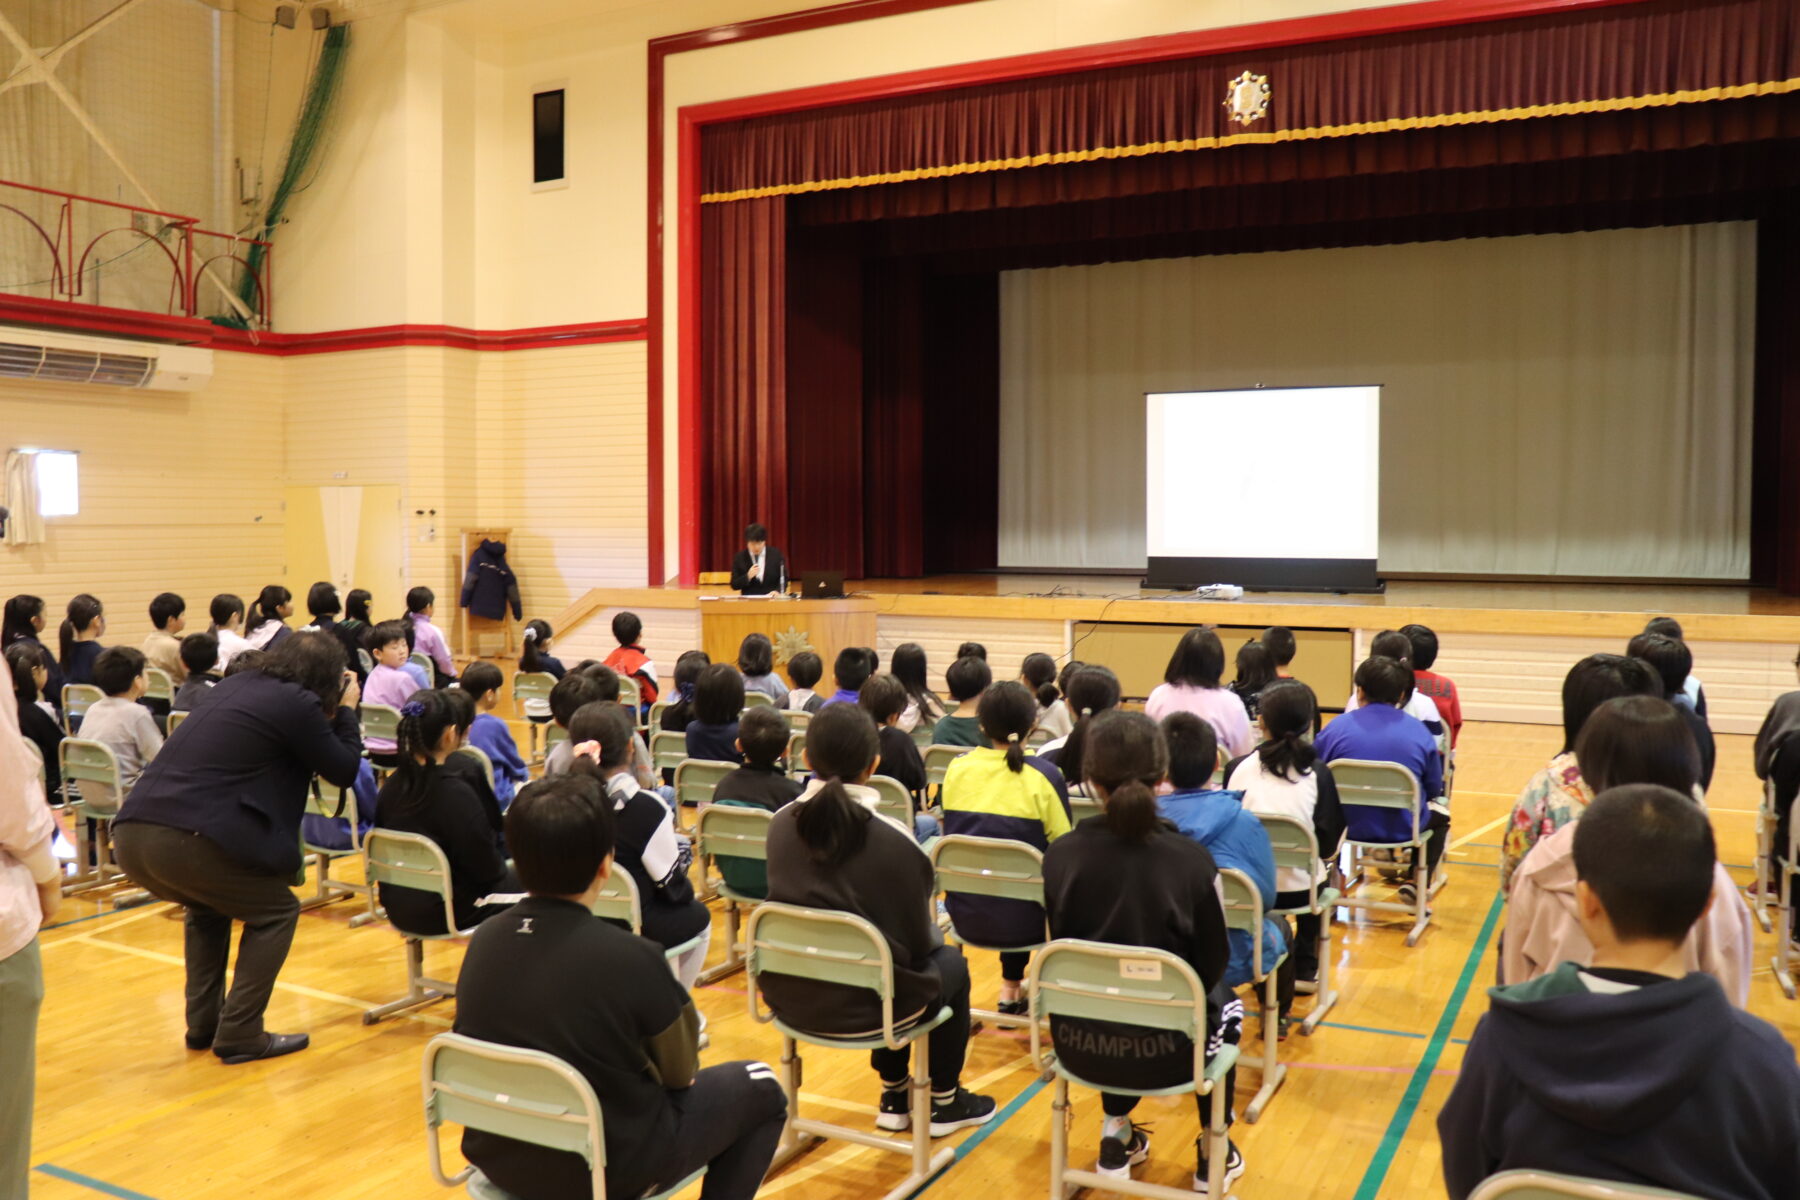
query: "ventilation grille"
19, 360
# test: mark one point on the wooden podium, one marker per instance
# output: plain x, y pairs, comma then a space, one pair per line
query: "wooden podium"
822, 626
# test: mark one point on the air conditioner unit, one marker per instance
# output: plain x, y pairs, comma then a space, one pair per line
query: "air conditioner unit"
109, 362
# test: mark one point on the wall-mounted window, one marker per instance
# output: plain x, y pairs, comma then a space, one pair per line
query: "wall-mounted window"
59, 483
547, 138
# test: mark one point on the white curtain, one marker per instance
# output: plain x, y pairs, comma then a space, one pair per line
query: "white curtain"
1569, 404
25, 527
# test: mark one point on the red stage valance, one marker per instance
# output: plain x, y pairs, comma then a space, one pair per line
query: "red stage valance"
1656, 55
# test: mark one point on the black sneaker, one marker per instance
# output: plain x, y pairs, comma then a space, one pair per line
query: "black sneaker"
1234, 1166
1013, 1008
961, 1111
1118, 1157
896, 1111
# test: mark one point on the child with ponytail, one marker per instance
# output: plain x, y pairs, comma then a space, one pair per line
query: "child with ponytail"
536, 656
80, 638
829, 849
1282, 777
24, 622
1092, 690
268, 617
998, 791
1038, 672
227, 612
422, 797
1128, 878
680, 712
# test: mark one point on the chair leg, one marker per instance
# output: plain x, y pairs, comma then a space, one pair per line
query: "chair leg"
1218, 1144
734, 952
418, 994
1059, 1139
1421, 897
1274, 1072
793, 1142
1763, 890
1784, 935
921, 1108
1326, 996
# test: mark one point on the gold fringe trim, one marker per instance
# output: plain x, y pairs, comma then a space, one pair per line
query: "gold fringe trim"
1438, 121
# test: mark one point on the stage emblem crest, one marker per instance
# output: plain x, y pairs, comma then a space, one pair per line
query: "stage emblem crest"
1247, 98
789, 644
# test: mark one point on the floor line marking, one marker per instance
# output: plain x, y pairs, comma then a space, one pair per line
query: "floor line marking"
89, 1182
1383, 1160
130, 917
1373, 1029
1475, 833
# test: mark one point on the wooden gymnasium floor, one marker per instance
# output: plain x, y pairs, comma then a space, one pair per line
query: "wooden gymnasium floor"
123, 1110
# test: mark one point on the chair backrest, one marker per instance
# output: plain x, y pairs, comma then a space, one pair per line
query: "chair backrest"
409, 860
1244, 911
526, 1095
331, 801
82, 760
1129, 985
668, 749
618, 899
158, 685
1081, 805
422, 660
921, 734
366, 661
797, 718
176, 717
480, 756
77, 698
733, 831
654, 722
630, 694
695, 779
796, 753
938, 760
819, 944
1036, 739
531, 685
1295, 845
895, 801
758, 699
379, 720
1543, 1185
979, 866
1377, 785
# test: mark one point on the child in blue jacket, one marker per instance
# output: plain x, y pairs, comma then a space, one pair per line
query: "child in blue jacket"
1237, 841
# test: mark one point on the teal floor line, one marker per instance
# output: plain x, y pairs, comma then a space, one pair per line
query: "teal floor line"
1415, 1088
89, 1182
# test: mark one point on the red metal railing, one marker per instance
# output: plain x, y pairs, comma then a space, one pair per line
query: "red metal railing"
84, 250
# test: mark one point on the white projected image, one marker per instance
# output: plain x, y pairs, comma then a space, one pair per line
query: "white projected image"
1216, 491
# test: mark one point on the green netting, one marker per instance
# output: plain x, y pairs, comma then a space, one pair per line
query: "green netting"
309, 135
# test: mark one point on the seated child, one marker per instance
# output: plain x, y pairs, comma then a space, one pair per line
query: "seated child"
649, 849
1255, 671
966, 679
30, 675
468, 767
389, 683
162, 648
80, 639
120, 722
422, 797
629, 659
572, 693
1690, 687
535, 659
1439, 689
804, 671
1038, 672
850, 669
756, 659
680, 711
199, 655
420, 605
1282, 647
718, 699
998, 791
1233, 836
760, 783
420, 675
972, 650
481, 683
884, 698
227, 612
1632, 1068
1391, 643
267, 625
1672, 661
1090, 689
923, 706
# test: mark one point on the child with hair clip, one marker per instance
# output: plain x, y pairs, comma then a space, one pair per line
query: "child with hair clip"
998, 791
1069, 671
30, 673
830, 850
628, 658
423, 797
1092, 690
649, 850
227, 613
24, 622
967, 678
923, 706
756, 659
481, 683
718, 699
1255, 671
1038, 673
1127, 878
268, 617
80, 638
675, 718
805, 670
1283, 777
883, 697
421, 603
593, 683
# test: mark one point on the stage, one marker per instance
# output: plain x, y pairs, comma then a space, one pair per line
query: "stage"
1507, 645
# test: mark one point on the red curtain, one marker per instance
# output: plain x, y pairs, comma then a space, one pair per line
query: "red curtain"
1660, 48
743, 417
1774, 483
824, 527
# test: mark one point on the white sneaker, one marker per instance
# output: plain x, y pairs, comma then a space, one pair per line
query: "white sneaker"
1234, 1166
1118, 1156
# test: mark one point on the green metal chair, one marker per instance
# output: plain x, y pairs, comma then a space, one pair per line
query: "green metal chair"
1129, 985
619, 901
630, 695
531, 701
796, 755
1763, 890
83, 761
668, 749
695, 779
1081, 805
1037, 739
1296, 846
994, 867
415, 861
379, 720
554, 736
938, 760
1786, 863
839, 948
758, 699
653, 726
159, 686
921, 734
728, 830
1386, 785
1244, 911
895, 802
480, 756
328, 800
1542, 1185
526, 1095
77, 698
176, 717
418, 658
797, 719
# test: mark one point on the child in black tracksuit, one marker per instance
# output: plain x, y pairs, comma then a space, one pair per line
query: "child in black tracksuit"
759, 783
1128, 878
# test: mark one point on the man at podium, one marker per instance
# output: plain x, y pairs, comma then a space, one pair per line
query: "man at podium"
758, 568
